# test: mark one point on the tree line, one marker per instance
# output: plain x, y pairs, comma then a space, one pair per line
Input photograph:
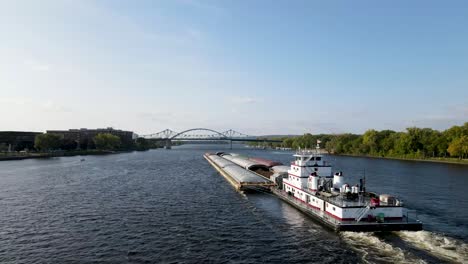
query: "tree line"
50, 141
102, 141
414, 142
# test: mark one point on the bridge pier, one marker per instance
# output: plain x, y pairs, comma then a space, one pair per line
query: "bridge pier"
168, 144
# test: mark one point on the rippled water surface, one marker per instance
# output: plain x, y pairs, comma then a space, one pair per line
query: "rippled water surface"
168, 206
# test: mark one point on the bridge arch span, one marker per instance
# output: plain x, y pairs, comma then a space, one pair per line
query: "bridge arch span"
202, 129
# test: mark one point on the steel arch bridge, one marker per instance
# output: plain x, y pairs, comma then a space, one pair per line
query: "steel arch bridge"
203, 134
206, 134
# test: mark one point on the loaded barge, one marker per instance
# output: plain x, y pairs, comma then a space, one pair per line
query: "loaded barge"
239, 174
309, 185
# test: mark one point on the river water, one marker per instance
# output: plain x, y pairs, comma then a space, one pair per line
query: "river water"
171, 206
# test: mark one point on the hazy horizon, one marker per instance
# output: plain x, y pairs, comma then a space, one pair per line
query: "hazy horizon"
257, 67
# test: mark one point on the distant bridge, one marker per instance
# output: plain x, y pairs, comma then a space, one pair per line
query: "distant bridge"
204, 134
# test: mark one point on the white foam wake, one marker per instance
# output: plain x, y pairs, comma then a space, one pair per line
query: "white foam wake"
437, 244
375, 250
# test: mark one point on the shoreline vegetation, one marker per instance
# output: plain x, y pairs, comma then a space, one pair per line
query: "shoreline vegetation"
435, 160
68, 153
419, 144
51, 145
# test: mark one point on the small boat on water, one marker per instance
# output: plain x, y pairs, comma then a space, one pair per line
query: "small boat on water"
309, 184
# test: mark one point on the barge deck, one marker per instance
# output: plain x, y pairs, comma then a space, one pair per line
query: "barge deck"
238, 177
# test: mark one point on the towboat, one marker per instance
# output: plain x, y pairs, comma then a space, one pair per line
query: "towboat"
309, 184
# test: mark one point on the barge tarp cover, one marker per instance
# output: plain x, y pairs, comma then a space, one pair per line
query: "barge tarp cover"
220, 161
245, 163
280, 169
268, 163
241, 175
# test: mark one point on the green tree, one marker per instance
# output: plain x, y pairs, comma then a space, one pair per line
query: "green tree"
288, 142
356, 145
68, 144
47, 142
429, 140
106, 141
332, 146
341, 144
456, 132
414, 143
401, 144
386, 142
370, 141
441, 146
459, 147
142, 144
414, 136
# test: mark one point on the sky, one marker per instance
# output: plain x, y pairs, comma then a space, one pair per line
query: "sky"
257, 67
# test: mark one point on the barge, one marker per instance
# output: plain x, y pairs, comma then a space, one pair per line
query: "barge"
239, 175
309, 184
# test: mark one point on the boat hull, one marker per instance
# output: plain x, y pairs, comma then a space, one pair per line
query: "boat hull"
337, 225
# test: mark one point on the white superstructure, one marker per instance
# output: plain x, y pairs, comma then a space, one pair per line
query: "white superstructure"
310, 181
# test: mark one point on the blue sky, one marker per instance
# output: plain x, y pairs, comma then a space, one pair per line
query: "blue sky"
258, 67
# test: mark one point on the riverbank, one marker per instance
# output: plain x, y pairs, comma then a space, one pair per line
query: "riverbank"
437, 160
22, 156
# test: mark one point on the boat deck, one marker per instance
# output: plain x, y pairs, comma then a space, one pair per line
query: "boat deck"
360, 202
388, 225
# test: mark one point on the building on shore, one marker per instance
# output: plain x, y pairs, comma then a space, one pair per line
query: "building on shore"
17, 140
84, 137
